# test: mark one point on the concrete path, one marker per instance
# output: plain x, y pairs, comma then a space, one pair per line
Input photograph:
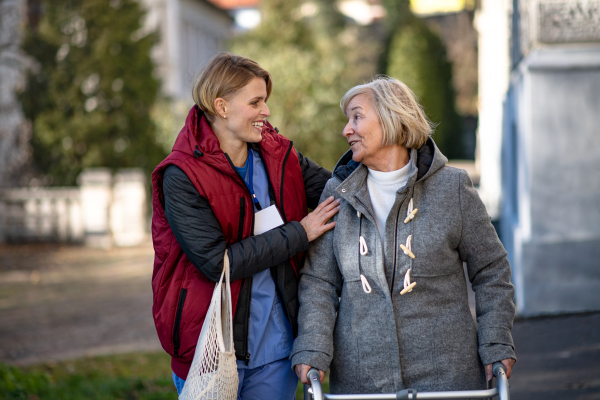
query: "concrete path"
59, 302
558, 358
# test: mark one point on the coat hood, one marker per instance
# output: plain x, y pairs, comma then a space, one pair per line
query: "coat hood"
426, 161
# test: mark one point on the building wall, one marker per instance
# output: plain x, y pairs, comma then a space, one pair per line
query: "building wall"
203, 30
492, 24
14, 131
550, 214
191, 32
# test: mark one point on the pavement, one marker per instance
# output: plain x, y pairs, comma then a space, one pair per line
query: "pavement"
62, 302
558, 357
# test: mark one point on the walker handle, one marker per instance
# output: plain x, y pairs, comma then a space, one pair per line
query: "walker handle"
499, 371
314, 377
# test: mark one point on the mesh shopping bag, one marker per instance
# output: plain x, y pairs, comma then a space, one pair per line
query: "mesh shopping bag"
213, 374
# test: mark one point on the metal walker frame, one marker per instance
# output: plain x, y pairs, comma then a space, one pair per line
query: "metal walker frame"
315, 391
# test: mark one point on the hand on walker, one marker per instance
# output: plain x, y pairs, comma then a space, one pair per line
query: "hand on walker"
315, 223
302, 371
508, 364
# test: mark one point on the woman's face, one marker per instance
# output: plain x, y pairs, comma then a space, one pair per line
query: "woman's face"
246, 110
363, 131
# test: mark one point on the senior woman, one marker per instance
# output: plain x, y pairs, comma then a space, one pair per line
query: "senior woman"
228, 171
383, 297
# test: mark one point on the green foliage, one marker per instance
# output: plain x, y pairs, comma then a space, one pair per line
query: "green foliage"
397, 14
314, 59
90, 95
128, 376
417, 57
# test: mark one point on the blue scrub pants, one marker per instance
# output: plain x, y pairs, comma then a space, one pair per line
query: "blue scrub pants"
275, 380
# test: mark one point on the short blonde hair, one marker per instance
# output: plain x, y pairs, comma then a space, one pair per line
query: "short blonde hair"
224, 75
402, 118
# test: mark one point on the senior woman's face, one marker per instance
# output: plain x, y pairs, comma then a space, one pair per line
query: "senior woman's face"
363, 130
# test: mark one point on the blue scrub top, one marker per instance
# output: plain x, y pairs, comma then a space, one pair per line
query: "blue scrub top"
270, 335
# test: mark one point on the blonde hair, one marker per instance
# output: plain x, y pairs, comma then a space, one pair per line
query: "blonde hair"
225, 74
402, 118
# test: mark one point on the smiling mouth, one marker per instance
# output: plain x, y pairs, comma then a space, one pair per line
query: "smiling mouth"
258, 125
352, 142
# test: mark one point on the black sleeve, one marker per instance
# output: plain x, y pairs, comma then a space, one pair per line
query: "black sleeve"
315, 178
199, 234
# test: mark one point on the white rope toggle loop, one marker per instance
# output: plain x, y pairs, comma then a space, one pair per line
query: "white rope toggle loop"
365, 284
364, 250
407, 249
408, 287
410, 212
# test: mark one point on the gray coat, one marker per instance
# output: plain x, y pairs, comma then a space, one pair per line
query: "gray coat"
382, 342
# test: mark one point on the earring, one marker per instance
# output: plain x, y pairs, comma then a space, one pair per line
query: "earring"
224, 116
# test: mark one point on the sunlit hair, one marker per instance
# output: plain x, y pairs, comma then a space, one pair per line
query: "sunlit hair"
224, 75
402, 118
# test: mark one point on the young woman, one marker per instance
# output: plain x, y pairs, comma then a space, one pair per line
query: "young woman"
227, 167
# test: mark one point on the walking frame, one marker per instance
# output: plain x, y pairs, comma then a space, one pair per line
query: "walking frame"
315, 391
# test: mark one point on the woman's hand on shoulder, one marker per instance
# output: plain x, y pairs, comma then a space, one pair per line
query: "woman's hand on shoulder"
315, 223
302, 371
508, 364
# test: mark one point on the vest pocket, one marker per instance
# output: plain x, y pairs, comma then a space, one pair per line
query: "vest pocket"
176, 330
242, 216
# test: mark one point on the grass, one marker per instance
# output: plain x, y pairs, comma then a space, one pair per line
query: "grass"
139, 376
135, 376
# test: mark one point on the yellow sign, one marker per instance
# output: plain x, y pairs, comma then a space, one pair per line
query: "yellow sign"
421, 7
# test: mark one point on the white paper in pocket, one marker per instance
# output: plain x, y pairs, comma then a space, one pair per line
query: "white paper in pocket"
267, 219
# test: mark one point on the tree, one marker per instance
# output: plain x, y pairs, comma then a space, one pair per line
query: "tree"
89, 97
417, 56
314, 58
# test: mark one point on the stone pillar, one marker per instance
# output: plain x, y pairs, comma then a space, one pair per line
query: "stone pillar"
96, 197
128, 209
491, 22
14, 131
550, 216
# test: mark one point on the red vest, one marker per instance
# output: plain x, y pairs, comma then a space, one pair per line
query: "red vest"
181, 293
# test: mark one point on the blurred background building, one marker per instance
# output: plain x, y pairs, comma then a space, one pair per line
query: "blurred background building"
190, 32
512, 84
14, 130
540, 146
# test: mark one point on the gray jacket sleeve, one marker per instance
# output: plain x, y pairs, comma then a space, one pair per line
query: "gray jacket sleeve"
319, 291
199, 234
489, 272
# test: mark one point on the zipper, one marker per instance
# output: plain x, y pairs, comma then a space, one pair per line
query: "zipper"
245, 187
242, 216
282, 178
395, 252
247, 358
395, 249
395, 241
176, 333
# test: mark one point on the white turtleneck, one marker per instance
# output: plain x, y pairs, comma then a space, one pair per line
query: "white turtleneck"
382, 190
